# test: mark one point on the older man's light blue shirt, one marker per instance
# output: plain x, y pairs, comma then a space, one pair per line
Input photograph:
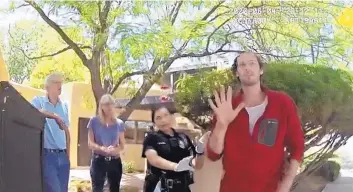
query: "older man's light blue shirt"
54, 137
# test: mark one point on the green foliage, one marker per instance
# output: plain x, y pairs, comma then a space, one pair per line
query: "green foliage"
22, 42
67, 63
194, 90
128, 167
319, 91
115, 38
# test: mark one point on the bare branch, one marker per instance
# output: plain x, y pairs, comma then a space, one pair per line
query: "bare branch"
175, 11
63, 35
103, 15
215, 17
23, 5
212, 10
174, 7
122, 78
208, 14
42, 56
215, 30
55, 53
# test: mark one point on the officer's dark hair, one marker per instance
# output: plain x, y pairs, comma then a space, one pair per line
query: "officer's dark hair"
156, 108
151, 128
258, 58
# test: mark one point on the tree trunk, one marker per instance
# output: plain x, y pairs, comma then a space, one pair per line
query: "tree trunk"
136, 100
96, 82
147, 84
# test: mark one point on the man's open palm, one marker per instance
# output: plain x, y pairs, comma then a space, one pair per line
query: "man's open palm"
223, 108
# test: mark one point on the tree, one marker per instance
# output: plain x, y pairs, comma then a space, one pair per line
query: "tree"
67, 62
157, 34
324, 97
20, 37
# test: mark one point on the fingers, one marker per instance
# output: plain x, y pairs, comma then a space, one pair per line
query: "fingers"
229, 94
223, 95
216, 98
212, 105
238, 109
240, 106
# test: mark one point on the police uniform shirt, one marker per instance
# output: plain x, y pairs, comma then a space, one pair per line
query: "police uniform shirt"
173, 148
150, 169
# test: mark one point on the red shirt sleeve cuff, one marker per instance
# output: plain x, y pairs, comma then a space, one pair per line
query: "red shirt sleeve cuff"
297, 155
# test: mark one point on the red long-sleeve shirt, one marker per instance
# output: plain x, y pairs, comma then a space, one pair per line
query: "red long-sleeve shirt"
251, 162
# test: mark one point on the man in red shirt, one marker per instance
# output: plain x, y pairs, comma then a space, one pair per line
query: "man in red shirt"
251, 132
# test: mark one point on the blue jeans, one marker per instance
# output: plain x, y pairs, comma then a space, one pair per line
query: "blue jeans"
56, 171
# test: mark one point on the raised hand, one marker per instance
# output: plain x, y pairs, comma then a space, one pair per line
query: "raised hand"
223, 108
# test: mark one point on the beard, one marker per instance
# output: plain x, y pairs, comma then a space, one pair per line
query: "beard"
248, 82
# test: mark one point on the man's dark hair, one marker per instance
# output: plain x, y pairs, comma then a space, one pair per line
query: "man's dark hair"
258, 58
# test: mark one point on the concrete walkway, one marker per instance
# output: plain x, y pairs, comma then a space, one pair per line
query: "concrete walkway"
342, 184
345, 182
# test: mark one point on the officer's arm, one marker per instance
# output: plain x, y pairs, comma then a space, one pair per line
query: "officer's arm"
158, 161
197, 162
200, 145
149, 152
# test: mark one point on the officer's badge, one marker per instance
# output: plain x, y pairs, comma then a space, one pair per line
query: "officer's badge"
181, 144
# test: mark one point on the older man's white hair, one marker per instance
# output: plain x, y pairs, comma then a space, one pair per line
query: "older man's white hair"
53, 77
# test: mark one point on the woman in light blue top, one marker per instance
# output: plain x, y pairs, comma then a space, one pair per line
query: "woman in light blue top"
106, 139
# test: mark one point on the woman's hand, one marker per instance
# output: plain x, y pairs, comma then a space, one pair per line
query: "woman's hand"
113, 151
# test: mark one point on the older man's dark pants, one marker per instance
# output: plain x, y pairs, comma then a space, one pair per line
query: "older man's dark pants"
102, 168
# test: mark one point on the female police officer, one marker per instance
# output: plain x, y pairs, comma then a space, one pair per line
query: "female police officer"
171, 152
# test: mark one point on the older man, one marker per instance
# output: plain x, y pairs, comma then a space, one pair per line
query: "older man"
56, 164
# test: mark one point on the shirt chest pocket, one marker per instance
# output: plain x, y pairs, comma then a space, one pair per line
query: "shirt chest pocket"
268, 132
163, 147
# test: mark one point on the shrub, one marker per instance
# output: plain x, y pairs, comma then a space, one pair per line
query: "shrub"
330, 169
128, 167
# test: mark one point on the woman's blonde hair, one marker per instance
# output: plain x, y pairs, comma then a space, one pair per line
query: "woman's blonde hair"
105, 99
